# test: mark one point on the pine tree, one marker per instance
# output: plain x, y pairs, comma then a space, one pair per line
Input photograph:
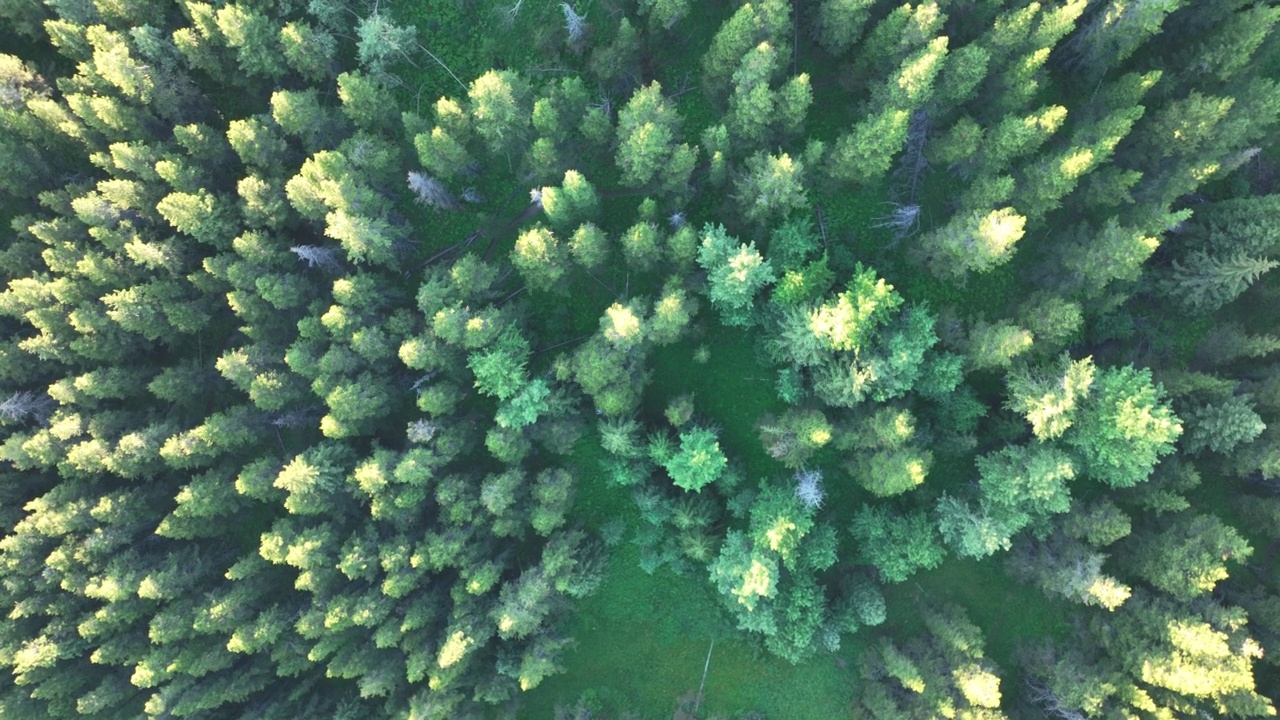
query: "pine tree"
309, 51
772, 186
575, 201
1187, 557
1222, 426
1246, 224
621, 325
735, 272
664, 13
589, 246
540, 258
672, 313
864, 155
649, 147
611, 62
1123, 427
698, 462
912, 86
1114, 31
898, 545
367, 103
1069, 569
1103, 522
641, 246
381, 43
752, 105
1097, 257
904, 30
840, 23
443, 151
255, 37
793, 438
1186, 656
499, 112
974, 242
1205, 282
751, 24
892, 472
996, 344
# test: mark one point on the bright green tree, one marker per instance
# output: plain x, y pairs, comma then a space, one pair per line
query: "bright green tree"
649, 147
896, 544
772, 186
699, 460
973, 242
840, 23
864, 155
1188, 556
735, 272
1222, 426
540, 258
1123, 428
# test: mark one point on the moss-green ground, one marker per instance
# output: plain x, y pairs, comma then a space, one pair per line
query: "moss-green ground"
643, 643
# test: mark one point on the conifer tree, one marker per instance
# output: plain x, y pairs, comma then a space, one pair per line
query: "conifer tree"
255, 38
897, 545
664, 13
1229, 342
540, 258
573, 202
1187, 557
974, 242
1203, 282
735, 272
381, 43
1114, 31
751, 24
308, 50
996, 344
1123, 427
865, 154
499, 112
771, 186
1222, 426
589, 246
1070, 569
649, 147
840, 23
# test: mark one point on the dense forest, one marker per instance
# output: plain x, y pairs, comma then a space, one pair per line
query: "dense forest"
808, 359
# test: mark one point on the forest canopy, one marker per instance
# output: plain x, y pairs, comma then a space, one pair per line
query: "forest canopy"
456, 359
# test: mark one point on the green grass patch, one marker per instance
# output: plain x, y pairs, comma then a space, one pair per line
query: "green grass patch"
1009, 613
732, 390
642, 644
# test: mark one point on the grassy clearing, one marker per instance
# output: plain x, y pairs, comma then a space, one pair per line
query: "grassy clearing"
642, 640
731, 390
1008, 612
642, 645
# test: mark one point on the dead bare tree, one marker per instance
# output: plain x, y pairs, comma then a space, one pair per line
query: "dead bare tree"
317, 256
1040, 694
574, 24
904, 220
27, 404
809, 488
913, 163
430, 191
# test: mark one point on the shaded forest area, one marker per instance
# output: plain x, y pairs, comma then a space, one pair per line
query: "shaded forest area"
639, 359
